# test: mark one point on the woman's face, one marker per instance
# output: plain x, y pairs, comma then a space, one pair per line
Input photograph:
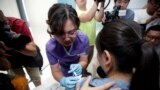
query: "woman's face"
122, 3
69, 35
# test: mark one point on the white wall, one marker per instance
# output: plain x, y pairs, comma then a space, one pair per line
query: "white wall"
137, 4
9, 8
37, 12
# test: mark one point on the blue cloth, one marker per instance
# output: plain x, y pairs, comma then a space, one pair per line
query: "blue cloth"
56, 53
70, 2
101, 81
129, 15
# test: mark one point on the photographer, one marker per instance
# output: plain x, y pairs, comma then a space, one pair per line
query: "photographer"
124, 4
120, 11
153, 9
22, 50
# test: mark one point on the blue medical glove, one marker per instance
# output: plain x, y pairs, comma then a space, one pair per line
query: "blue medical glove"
69, 82
77, 68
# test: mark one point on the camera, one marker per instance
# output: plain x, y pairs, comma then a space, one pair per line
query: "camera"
100, 0
12, 39
111, 16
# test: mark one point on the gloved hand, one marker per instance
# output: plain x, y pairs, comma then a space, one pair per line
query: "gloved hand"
77, 68
69, 82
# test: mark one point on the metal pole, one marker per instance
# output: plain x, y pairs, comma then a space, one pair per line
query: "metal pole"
22, 10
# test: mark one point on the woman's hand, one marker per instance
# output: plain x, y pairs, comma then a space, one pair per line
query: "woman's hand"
102, 87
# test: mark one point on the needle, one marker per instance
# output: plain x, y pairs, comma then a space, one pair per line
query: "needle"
74, 73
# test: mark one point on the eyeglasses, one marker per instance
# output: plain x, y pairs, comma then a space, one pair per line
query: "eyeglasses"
150, 37
67, 34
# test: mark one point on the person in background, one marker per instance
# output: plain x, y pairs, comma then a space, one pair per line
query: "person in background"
123, 11
22, 50
125, 58
70, 2
123, 6
67, 50
153, 9
88, 20
152, 33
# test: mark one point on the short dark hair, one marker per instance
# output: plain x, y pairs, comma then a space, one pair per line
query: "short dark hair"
154, 28
57, 16
115, 36
124, 40
153, 25
116, 1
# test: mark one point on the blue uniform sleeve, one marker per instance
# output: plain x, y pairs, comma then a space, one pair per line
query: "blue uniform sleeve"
85, 46
50, 54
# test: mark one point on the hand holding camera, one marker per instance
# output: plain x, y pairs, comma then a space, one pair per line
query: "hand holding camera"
111, 16
99, 0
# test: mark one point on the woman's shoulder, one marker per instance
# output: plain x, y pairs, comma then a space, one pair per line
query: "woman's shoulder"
119, 84
51, 44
